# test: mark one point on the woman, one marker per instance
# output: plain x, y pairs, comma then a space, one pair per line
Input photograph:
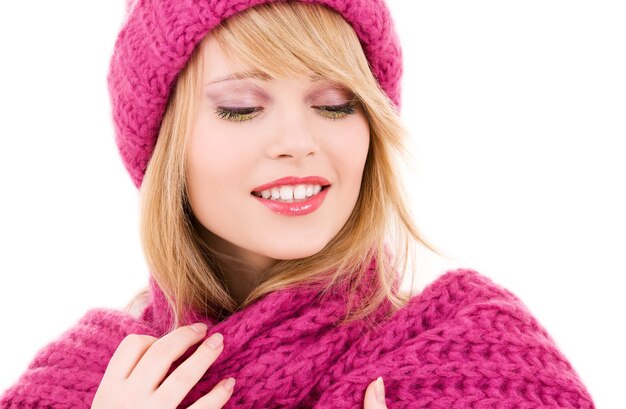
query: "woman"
263, 136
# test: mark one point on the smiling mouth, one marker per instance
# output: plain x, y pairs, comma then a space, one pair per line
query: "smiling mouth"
259, 195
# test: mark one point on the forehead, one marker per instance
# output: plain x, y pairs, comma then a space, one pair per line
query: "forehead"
255, 74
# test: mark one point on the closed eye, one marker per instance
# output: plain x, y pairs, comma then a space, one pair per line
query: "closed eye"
241, 114
335, 112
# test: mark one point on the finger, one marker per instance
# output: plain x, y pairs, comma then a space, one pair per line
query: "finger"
174, 389
156, 362
127, 354
218, 396
374, 400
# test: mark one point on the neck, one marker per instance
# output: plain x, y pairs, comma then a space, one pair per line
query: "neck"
240, 277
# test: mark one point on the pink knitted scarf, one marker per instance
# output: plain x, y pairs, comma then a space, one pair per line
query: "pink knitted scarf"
464, 342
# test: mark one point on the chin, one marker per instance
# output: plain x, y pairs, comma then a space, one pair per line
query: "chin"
295, 251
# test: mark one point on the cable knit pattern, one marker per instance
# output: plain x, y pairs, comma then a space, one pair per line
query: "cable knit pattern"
158, 37
464, 342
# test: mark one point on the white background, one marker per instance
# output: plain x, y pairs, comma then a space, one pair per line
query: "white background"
517, 112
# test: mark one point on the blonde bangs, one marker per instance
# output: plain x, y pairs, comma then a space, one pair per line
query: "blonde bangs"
285, 40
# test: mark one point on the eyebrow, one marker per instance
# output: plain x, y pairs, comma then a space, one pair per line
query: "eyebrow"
254, 74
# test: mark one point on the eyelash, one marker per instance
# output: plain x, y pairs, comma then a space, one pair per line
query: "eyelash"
242, 114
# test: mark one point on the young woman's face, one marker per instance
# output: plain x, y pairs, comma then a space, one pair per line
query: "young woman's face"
247, 135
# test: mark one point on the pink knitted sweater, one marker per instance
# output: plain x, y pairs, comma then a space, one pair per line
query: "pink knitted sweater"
464, 342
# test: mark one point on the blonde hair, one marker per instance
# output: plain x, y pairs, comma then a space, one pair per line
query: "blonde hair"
281, 39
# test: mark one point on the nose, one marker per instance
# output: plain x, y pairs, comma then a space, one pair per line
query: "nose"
293, 136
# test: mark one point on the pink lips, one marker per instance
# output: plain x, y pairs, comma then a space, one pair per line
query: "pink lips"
298, 208
293, 180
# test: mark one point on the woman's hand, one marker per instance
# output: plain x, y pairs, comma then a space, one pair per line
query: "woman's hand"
375, 395
134, 376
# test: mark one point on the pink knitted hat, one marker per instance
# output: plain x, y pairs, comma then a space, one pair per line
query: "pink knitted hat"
159, 36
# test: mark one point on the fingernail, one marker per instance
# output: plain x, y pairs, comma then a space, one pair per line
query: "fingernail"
215, 341
380, 390
229, 384
199, 327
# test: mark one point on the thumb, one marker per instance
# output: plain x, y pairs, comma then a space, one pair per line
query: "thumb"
375, 395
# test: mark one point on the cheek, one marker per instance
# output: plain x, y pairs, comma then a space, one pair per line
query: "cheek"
216, 165
215, 152
350, 149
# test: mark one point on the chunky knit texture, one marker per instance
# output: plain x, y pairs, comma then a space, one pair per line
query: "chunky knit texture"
158, 37
464, 342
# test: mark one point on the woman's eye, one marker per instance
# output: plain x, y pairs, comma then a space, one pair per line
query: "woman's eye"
237, 114
334, 112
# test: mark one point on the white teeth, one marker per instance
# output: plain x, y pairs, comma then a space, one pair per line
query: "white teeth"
275, 193
299, 192
286, 193
290, 193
